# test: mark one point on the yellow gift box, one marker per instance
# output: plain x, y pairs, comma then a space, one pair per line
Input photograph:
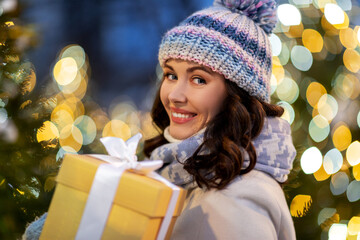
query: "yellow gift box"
137, 210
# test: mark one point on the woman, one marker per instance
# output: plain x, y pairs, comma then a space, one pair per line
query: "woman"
221, 139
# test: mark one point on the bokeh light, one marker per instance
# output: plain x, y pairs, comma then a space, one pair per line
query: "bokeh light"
287, 90
319, 128
338, 231
347, 86
87, 128
312, 40
275, 44
353, 153
301, 58
351, 59
342, 137
70, 136
288, 15
327, 106
321, 174
300, 205
325, 214
356, 172
311, 160
334, 14
339, 183
47, 132
314, 92
65, 71
117, 128
354, 226
289, 113
358, 119
348, 38
76, 52
353, 191
333, 161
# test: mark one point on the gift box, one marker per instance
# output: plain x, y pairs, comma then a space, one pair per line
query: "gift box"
137, 210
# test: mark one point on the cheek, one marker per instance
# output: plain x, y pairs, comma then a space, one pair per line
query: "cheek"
163, 95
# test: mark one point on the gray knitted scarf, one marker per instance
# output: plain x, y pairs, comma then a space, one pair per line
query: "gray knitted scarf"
274, 148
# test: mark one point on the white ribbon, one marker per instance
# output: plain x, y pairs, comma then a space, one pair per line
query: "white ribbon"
105, 183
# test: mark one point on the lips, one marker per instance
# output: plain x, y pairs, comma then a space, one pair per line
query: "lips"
181, 115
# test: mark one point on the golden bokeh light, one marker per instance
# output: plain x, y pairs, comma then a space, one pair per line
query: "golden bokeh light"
314, 92
300, 205
117, 128
348, 38
321, 174
62, 116
354, 226
341, 137
353, 153
351, 59
65, 71
71, 136
347, 86
148, 127
356, 172
312, 40
47, 132
276, 44
295, 31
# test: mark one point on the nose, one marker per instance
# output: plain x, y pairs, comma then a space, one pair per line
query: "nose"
178, 92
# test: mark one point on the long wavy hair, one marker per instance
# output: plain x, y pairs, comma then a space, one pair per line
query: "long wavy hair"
239, 121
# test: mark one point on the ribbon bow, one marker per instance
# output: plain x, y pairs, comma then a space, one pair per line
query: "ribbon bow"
121, 157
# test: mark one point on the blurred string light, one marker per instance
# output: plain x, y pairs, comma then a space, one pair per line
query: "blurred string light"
287, 90
327, 106
288, 15
358, 119
325, 214
354, 227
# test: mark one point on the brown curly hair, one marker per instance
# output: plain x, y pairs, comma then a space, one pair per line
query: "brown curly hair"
238, 122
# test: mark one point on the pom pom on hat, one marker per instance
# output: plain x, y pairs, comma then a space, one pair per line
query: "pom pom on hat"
262, 12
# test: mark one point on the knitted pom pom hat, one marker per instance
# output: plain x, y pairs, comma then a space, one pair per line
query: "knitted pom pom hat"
231, 38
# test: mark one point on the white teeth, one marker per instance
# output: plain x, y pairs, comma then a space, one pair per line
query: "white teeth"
181, 115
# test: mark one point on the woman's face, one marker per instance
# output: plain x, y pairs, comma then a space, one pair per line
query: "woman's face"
192, 95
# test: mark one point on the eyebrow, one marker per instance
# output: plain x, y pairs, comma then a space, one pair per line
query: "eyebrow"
192, 69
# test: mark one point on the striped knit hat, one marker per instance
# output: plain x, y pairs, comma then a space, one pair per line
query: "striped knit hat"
231, 38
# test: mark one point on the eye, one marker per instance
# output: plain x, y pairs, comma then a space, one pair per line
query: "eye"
198, 81
170, 76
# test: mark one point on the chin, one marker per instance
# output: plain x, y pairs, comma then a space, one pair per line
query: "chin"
180, 133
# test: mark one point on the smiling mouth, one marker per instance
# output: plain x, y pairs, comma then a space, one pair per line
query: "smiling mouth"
181, 116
